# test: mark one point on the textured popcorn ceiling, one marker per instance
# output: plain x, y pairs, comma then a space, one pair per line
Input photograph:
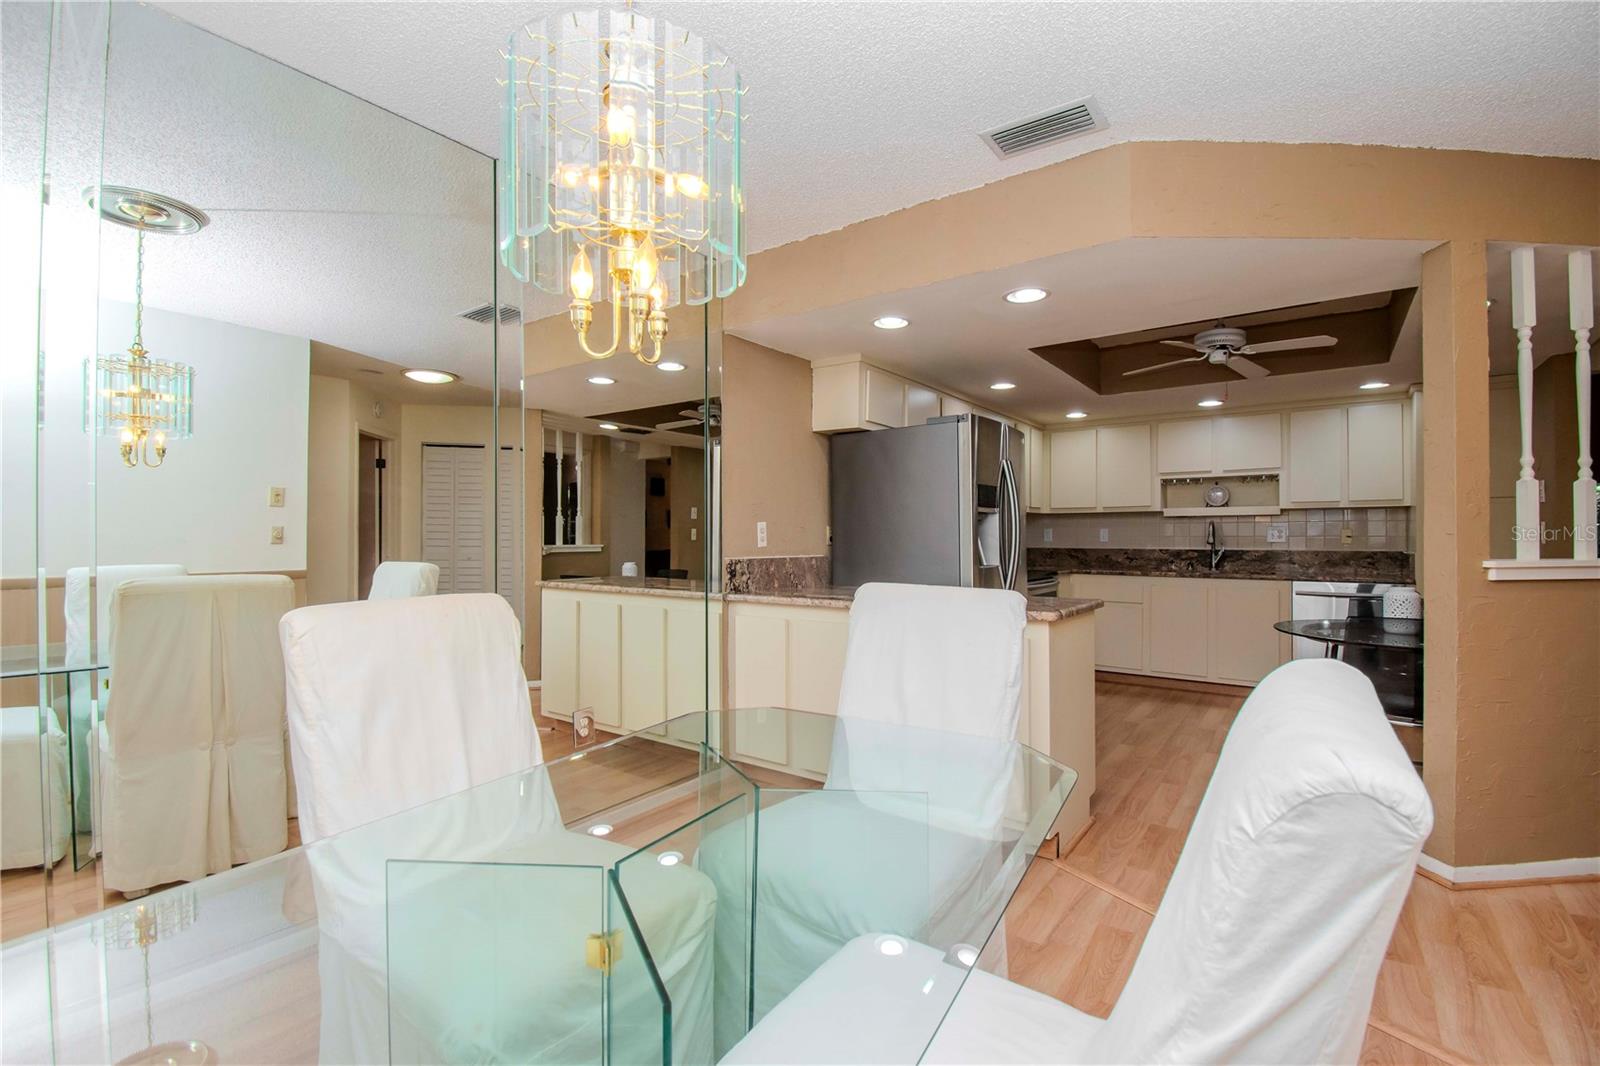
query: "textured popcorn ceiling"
859, 109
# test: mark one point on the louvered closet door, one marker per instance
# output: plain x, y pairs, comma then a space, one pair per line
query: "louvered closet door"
508, 505
454, 499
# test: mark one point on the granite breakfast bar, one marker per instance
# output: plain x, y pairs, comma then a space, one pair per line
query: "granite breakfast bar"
783, 648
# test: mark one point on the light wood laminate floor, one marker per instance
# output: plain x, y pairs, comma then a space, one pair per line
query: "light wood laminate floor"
1493, 975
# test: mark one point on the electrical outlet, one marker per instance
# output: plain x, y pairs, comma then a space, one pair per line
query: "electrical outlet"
694, 534
1277, 533
276, 536
1105, 535
1345, 536
275, 496
1049, 535
761, 534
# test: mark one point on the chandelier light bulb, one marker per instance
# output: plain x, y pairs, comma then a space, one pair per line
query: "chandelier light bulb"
645, 264
691, 185
125, 437
619, 127
582, 275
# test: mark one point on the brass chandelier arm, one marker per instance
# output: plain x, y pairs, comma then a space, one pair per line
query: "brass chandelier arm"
582, 326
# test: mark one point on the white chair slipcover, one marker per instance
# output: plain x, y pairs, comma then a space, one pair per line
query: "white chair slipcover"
395, 705
22, 830
397, 580
191, 766
903, 838
88, 596
1267, 943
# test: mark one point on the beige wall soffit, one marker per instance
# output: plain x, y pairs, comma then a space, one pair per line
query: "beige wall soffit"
1542, 569
835, 360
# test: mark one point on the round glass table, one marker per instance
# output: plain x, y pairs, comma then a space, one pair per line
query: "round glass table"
1399, 634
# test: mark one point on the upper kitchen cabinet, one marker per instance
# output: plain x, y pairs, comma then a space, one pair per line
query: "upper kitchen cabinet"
1316, 456
922, 403
885, 398
1072, 470
1248, 444
1184, 447
1376, 442
1037, 446
846, 396
1123, 468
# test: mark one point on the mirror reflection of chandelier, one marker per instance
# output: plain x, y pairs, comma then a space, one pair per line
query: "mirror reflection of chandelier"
143, 926
141, 401
621, 178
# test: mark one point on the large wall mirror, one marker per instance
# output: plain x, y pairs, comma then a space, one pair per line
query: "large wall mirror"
298, 250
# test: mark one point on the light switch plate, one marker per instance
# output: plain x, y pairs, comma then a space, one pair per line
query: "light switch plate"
1345, 536
694, 534
761, 534
1049, 536
275, 496
694, 512
1277, 534
1105, 535
276, 536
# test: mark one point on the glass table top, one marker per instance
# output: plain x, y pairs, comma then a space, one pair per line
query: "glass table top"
24, 660
645, 900
1404, 634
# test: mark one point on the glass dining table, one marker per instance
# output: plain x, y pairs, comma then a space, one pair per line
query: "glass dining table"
649, 899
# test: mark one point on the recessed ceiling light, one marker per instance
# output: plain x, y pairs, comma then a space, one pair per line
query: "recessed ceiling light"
891, 945
431, 377
1209, 403
1026, 295
669, 367
891, 322
601, 379
1075, 415
601, 830
965, 954
1375, 385
1002, 386
670, 858
608, 425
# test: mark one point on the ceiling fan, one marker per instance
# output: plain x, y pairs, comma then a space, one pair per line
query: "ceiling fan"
695, 417
1226, 346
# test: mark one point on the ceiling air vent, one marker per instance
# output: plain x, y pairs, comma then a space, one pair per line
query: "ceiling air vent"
1057, 124
485, 312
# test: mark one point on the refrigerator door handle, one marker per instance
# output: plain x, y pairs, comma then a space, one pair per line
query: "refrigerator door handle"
1010, 552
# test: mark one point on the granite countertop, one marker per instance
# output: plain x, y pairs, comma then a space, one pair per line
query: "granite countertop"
1040, 608
646, 586
1394, 568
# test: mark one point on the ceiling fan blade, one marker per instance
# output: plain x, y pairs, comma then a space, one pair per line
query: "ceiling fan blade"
1182, 344
1322, 340
678, 425
1163, 366
1245, 368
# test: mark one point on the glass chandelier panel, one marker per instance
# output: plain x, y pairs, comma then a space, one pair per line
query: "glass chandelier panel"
621, 180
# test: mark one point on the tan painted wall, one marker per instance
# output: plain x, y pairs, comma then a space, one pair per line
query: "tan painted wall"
774, 469
687, 487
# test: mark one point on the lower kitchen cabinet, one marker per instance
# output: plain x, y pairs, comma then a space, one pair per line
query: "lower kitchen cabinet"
1200, 629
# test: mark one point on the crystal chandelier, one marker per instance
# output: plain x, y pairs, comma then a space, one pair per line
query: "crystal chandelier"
620, 178
141, 401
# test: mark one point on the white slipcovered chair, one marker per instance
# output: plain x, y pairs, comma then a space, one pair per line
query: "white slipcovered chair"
891, 843
1265, 948
395, 580
22, 829
190, 754
87, 607
396, 709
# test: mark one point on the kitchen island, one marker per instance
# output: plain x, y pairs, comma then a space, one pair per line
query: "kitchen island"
635, 651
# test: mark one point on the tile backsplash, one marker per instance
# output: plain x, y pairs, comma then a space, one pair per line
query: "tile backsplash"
1305, 529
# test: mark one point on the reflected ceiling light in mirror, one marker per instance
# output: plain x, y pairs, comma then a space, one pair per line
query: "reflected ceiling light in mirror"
1075, 415
1209, 403
1375, 385
1026, 295
890, 945
601, 830
431, 377
608, 425
142, 402
1002, 386
601, 379
670, 858
623, 138
891, 322
669, 367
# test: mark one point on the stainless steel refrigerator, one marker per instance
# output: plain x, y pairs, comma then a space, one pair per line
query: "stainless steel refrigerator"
935, 504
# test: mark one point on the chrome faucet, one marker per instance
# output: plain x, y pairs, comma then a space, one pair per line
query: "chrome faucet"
1211, 542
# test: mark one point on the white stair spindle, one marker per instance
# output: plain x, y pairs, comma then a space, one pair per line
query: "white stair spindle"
1524, 316
561, 491
1580, 303
578, 535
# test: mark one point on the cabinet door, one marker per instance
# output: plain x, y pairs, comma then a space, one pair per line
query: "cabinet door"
558, 653
760, 680
1247, 443
954, 405
1038, 468
1184, 447
1316, 455
922, 403
886, 399
1119, 637
836, 397
1377, 452
1072, 468
1123, 466
643, 664
599, 660
688, 688
1177, 622
1244, 646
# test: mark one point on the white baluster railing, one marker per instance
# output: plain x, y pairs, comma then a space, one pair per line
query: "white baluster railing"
1524, 316
1580, 297
579, 531
561, 491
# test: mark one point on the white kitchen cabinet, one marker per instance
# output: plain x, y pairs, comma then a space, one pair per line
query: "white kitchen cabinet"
922, 403
1119, 641
1184, 447
1376, 457
1177, 627
1124, 476
1244, 646
1072, 469
886, 398
1247, 444
954, 405
1037, 446
1316, 456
